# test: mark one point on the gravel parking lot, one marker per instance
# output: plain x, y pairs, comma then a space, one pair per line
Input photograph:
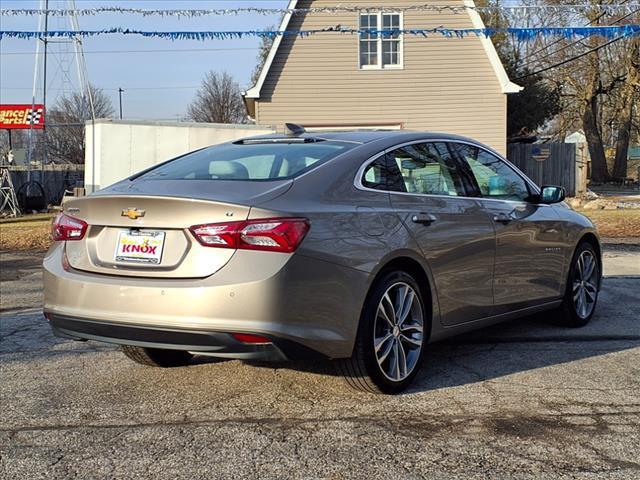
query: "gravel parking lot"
523, 400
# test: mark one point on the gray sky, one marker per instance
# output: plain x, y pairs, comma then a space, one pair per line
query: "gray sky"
158, 85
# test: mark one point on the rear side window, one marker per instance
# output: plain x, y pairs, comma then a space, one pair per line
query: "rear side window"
377, 174
248, 162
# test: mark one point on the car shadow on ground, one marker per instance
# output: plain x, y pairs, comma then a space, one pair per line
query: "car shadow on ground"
518, 346
476, 357
489, 354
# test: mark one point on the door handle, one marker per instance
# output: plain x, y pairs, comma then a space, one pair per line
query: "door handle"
424, 218
502, 218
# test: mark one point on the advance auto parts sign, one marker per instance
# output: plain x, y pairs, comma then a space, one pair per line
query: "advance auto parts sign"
20, 116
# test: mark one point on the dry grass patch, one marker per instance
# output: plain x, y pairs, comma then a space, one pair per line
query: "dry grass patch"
26, 233
621, 223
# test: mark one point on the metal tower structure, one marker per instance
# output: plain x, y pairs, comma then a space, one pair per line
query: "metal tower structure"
8, 200
40, 72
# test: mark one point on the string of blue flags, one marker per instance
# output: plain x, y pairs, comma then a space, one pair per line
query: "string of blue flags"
524, 34
606, 8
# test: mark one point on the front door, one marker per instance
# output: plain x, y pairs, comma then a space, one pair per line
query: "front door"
529, 247
455, 235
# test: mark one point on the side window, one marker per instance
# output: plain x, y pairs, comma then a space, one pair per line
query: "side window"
376, 174
428, 168
494, 177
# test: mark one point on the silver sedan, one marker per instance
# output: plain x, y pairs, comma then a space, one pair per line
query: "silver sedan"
362, 247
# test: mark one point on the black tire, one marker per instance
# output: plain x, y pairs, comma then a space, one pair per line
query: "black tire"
362, 371
156, 357
567, 314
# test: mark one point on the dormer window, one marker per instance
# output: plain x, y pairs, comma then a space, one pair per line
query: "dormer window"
380, 51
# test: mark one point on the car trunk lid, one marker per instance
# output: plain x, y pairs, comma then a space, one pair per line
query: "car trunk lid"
148, 236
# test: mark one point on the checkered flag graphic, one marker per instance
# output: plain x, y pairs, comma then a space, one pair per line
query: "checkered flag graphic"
36, 114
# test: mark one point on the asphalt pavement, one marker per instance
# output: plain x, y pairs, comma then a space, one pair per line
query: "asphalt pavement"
521, 400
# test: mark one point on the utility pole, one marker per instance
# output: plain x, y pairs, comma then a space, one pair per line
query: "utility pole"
120, 90
44, 91
42, 26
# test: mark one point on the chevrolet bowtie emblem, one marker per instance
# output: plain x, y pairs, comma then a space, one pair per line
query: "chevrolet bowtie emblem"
132, 213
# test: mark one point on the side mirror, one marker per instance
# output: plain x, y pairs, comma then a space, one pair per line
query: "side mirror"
551, 194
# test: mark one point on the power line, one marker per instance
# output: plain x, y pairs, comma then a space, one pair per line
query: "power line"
559, 40
193, 13
162, 50
168, 87
165, 87
574, 43
564, 62
177, 87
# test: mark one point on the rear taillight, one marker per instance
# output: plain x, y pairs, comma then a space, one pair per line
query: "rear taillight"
271, 234
65, 227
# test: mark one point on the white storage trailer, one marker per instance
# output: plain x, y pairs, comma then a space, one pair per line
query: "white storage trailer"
116, 149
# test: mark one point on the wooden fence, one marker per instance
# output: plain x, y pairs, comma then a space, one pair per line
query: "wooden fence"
561, 164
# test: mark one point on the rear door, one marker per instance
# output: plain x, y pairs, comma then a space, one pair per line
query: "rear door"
455, 235
529, 246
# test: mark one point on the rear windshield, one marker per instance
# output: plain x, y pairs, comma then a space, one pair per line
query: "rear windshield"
253, 162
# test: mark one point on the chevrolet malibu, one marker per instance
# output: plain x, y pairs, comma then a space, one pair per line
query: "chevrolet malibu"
362, 247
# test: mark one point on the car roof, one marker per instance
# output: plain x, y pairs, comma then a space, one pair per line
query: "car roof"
367, 136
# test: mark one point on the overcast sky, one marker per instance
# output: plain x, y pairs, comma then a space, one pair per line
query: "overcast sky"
158, 85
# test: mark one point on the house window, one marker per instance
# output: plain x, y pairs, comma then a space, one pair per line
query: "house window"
377, 50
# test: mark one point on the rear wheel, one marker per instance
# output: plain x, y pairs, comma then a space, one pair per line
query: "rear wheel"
583, 285
157, 357
390, 341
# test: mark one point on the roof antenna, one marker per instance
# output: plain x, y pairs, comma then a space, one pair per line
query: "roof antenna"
294, 129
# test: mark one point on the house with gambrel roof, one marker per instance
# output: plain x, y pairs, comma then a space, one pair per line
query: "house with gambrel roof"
338, 81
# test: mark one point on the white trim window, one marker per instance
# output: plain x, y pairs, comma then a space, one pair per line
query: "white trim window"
380, 51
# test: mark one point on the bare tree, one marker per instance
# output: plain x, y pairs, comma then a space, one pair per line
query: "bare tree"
598, 96
66, 121
219, 100
629, 98
538, 102
589, 93
265, 47
596, 79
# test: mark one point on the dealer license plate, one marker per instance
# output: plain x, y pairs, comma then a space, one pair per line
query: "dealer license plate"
140, 246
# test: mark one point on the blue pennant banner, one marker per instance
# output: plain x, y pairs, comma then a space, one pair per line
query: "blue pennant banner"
576, 8
519, 33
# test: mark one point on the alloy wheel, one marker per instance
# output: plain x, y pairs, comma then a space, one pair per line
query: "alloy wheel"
398, 331
585, 284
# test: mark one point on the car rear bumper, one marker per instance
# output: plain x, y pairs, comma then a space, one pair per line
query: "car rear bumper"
218, 344
294, 300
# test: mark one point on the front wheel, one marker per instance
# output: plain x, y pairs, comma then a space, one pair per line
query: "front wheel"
390, 341
583, 286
